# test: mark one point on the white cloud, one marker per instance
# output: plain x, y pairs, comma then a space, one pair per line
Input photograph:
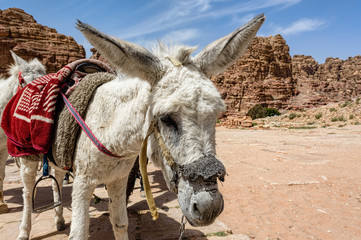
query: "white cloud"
302, 25
182, 35
181, 12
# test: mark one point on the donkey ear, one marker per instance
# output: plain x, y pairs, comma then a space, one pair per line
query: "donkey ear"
219, 55
19, 61
130, 58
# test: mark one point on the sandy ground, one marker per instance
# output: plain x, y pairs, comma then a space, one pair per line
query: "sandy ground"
281, 184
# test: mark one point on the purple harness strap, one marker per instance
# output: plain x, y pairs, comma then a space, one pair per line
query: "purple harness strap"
86, 129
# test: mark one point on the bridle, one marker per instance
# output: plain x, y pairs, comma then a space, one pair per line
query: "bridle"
210, 169
22, 82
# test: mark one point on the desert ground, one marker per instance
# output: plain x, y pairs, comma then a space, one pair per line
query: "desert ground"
281, 184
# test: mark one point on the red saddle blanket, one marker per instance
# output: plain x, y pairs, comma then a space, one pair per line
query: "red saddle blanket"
28, 118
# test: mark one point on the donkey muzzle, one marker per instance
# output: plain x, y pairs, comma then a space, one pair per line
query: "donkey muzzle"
207, 167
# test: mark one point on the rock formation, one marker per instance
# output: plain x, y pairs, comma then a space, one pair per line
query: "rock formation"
334, 81
28, 39
267, 75
96, 55
262, 76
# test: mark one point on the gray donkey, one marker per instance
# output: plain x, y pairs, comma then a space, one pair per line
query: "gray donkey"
165, 95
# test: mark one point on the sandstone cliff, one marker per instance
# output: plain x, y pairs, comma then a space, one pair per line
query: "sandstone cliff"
267, 75
28, 39
334, 81
262, 76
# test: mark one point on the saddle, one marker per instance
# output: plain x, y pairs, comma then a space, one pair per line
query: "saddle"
29, 118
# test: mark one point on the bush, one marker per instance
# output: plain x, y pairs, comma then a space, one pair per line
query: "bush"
351, 117
292, 116
257, 111
272, 112
341, 118
334, 119
333, 109
318, 115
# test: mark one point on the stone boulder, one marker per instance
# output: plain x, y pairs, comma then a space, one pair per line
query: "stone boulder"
21, 33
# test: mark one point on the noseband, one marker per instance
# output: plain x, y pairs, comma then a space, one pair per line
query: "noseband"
208, 167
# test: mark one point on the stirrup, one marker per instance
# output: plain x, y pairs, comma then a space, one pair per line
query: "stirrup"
45, 176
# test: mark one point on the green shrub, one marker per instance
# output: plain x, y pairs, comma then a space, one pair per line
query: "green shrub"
292, 116
318, 115
334, 119
257, 111
272, 112
303, 127
341, 118
333, 110
351, 117
310, 123
357, 101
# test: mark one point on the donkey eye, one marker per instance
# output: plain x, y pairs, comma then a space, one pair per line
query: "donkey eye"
169, 121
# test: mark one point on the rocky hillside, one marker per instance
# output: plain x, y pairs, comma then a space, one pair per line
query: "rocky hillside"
318, 84
333, 114
262, 76
267, 75
28, 39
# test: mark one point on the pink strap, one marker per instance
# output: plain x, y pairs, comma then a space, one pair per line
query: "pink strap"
86, 129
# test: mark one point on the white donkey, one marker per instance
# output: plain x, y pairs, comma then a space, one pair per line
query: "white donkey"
168, 92
29, 71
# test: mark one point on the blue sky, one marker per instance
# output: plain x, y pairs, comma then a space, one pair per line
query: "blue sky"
319, 28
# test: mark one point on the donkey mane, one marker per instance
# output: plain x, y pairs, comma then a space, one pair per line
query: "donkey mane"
180, 52
35, 64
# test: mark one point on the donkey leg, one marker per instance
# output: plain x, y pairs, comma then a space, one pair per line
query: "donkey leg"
81, 196
3, 206
118, 208
28, 174
58, 211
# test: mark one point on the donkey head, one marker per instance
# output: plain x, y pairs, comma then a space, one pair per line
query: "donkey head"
184, 108
29, 70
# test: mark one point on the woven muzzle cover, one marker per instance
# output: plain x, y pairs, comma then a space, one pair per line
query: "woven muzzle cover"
207, 167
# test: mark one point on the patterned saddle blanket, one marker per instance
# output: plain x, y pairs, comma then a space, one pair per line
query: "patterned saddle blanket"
28, 118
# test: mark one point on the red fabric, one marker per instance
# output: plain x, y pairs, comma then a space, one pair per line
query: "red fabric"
28, 119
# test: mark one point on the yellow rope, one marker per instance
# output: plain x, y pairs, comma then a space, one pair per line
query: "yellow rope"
174, 61
153, 128
165, 152
143, 171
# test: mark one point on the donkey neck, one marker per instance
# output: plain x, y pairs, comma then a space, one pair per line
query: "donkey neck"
8, 89
117, 113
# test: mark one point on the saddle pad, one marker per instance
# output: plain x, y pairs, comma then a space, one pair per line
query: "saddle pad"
67, 129
28, 118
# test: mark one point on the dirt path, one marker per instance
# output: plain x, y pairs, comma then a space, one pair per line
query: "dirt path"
281, 184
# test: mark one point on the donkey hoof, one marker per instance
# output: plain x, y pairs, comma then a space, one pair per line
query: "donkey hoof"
23, 238
4, 208
60, 226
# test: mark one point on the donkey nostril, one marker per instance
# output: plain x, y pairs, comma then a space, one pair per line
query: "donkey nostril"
196, 211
